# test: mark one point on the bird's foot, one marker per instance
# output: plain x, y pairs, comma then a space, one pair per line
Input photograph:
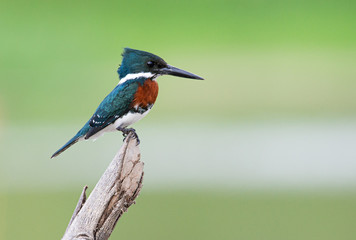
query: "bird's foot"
126, 131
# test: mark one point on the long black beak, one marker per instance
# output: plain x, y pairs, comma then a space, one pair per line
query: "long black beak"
170, 70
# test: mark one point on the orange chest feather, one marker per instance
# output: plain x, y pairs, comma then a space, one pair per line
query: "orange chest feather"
146, 94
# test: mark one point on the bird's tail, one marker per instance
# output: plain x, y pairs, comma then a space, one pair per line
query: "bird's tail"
74, 139
67, 145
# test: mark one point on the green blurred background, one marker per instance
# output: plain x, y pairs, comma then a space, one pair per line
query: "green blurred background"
264, 148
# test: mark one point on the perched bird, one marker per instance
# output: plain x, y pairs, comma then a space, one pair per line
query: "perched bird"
131, 99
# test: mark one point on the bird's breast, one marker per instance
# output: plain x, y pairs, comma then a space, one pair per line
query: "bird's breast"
145, 95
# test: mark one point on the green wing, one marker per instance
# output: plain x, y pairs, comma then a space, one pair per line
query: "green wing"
114, 106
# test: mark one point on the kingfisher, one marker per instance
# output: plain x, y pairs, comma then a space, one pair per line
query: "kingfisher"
132, 98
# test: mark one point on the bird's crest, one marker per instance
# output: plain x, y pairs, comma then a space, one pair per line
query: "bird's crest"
135, 61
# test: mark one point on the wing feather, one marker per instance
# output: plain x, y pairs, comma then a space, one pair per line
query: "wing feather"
115, 105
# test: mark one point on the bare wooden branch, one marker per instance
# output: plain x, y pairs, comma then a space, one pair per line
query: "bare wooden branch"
115, 192
81, 201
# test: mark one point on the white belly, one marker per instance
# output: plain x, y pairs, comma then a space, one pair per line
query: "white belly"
129, 119
124, 121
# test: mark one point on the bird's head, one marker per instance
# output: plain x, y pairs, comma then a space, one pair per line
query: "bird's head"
136, 62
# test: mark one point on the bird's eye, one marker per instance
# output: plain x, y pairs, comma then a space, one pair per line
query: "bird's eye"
150, 64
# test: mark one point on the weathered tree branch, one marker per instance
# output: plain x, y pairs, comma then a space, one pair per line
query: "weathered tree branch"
95, 218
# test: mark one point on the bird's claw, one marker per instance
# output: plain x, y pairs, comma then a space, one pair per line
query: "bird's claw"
126, 131
133, 131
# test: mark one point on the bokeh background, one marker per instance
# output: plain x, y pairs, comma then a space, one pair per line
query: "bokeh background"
264, 148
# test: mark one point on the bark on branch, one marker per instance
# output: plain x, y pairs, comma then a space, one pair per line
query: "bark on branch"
95, 218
